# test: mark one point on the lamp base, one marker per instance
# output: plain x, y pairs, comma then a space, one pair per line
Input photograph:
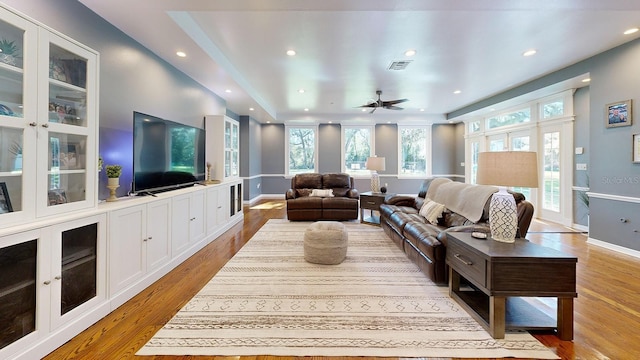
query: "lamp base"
503, 216
375, 182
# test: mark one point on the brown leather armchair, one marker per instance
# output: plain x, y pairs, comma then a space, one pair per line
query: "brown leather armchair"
304, 205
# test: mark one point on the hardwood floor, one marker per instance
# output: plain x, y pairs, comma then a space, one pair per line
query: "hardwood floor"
606, 312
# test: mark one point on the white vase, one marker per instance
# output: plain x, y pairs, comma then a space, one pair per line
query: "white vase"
113, 181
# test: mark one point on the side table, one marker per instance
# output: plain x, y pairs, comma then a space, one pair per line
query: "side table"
501, 275
371, 201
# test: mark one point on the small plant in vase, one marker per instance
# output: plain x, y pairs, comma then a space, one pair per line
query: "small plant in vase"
113, 180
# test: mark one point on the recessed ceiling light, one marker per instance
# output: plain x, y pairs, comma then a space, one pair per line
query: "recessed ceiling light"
330, 122
457, 92
291, 52
421, 109
410, 52
181, 53
306, 109
529, 52
363, 110
631, 31
251, 109
586, 80
268, 122
301, 91
227, 91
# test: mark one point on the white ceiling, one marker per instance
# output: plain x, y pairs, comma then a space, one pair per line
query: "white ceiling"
345, 46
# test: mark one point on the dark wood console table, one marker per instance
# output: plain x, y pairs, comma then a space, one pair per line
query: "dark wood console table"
371, 201
489, 278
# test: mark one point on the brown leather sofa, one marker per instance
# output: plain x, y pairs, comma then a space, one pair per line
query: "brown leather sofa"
425, 243
302, 206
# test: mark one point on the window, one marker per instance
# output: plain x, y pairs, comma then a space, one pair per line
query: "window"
358, 145
512, 118
301, 147
474, 126
551, 166
553, 109
413, 150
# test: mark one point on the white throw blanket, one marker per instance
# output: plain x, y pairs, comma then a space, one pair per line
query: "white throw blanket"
465, 199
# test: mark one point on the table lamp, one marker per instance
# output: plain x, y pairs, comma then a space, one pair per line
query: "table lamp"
375, 164
502, 169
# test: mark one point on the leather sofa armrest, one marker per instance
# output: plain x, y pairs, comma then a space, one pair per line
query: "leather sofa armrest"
400, 200
290, 194
353, 193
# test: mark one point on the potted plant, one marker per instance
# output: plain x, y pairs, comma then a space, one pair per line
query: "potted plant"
8, 52
113, 174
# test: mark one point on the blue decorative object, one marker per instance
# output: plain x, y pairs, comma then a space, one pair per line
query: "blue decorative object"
4, 110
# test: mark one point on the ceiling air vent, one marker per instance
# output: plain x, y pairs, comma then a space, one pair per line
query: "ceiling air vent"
399, 65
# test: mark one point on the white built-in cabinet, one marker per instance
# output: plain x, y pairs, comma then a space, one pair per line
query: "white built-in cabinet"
139, 242
187, 220
65, 260
53, 278
223, 147
48, 122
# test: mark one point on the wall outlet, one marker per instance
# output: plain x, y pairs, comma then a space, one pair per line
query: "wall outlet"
579, 150
258, 186
581, 166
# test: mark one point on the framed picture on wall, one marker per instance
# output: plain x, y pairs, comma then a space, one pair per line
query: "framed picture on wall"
618, 114
636, 148
5, 202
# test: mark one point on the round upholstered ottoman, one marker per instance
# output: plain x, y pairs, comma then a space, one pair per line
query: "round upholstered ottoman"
325, 242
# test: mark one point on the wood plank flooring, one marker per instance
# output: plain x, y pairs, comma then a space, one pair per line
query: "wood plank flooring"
606, 314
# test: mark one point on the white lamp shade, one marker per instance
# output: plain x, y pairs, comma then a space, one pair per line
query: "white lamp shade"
375, 163
508, 168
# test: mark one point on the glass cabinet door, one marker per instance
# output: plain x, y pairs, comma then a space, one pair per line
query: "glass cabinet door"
17, 291
17, 111
79, 266
66, 128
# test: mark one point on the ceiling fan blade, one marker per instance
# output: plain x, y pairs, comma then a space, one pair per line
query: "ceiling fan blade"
393, 102
391, 107
374, 109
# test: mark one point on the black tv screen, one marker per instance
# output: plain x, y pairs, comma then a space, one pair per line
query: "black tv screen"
166, 155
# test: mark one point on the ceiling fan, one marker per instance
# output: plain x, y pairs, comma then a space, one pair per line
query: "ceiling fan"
383, 104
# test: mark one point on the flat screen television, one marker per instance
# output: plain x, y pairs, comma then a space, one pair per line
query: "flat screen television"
166, 155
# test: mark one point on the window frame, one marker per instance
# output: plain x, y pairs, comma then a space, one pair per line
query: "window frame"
288, 146
362, 173
427, 155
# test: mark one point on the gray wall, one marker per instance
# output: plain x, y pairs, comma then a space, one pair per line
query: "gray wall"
450, 141
250, 156
329, 145
131, 79
581, 139
614, 181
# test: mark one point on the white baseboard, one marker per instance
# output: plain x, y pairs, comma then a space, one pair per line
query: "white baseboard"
616, 248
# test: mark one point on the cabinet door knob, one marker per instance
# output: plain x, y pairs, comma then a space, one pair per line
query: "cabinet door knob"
145, 239
47, 282
33, 124
149, 238
58, 277
45, 125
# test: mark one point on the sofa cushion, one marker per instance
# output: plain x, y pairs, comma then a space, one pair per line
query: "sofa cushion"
398, 220
339, 183
339, 203
308, 181
304, 203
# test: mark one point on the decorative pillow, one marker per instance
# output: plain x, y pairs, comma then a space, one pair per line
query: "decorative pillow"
431, 211
322, 193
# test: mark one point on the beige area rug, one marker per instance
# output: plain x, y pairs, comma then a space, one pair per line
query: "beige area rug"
268, 301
